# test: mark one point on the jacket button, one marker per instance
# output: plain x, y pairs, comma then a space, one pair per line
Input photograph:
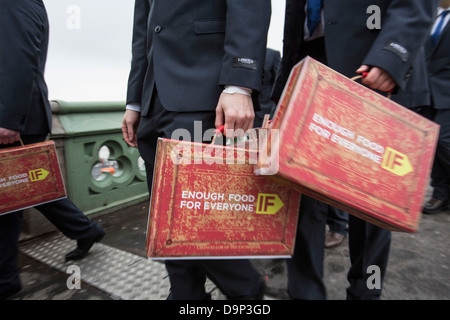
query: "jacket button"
158, 29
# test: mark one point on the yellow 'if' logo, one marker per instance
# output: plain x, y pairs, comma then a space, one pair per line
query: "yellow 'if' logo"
38, 174
268, 203
396, 162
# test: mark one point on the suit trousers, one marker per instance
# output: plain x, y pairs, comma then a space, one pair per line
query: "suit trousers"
368, 246
236, 278
440, 174
63, 214
337, 220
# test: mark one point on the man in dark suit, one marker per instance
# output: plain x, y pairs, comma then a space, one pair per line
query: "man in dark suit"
438, 61
343, 35
196, 60
25, 114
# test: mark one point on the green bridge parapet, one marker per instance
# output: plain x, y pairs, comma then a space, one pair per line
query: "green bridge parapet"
102, 173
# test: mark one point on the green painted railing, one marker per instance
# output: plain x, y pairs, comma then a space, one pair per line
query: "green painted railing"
102, 173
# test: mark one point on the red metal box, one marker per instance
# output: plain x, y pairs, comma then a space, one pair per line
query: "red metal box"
352, 148
207, 203
29, 175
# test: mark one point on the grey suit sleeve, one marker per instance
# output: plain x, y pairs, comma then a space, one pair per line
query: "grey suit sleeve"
139, 52
404, 30
247, 23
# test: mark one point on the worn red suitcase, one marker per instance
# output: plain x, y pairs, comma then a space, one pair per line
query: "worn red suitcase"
206, 203
29, 175
352, 148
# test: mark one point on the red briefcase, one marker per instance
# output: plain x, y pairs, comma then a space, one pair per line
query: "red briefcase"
352, 148
206, 203
29, 175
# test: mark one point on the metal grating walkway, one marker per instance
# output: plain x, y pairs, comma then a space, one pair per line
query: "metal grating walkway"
119, 273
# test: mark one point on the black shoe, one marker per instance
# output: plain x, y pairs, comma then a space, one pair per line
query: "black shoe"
434, 206
10, 292
84, 245
262, 290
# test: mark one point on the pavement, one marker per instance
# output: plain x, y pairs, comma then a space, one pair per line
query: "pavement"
117, 268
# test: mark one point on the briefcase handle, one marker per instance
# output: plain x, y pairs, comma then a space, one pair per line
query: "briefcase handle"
363, 75
21, 145
219, 131
252, 135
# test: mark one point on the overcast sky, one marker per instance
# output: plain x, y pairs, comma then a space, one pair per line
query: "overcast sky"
90, 47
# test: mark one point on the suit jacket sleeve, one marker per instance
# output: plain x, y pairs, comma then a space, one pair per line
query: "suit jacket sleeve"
292, 40
439, 69
247, 23
404, 30
275, 70
20, 39
139, 52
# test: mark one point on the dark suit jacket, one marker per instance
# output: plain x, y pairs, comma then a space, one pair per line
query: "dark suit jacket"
397, 47
24, 104
438, 61
271, 66
189, 49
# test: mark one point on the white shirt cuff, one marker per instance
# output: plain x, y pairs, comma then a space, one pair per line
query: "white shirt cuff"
236, 89
134, 106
